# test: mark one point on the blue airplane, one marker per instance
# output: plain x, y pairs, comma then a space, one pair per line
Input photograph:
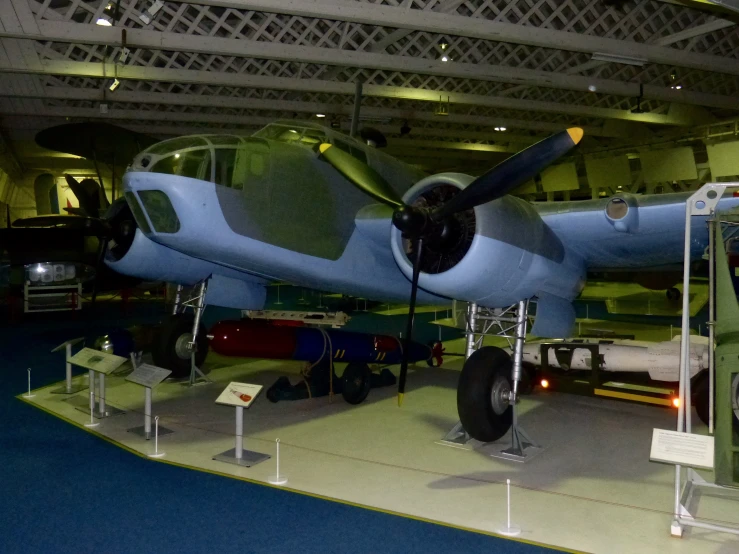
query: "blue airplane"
301, 203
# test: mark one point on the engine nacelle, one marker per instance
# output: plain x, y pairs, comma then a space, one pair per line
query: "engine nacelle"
504, 253
152, 261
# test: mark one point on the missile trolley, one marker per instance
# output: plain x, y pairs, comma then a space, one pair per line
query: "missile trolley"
638, 371
320, 348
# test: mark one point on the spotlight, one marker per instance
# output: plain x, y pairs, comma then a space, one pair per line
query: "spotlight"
445, 58
114, 85
443, 44
104, 20
151, 11
320, 115
544, 384
405, 129
676, 402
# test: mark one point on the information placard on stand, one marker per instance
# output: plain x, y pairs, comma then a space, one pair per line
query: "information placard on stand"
240, 395
102, 364
148, 376
69, 387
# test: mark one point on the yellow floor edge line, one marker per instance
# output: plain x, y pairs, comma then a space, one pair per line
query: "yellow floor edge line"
288, 489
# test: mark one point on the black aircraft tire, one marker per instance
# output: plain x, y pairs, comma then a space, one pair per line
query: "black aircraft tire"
483, 383
168, 349
700, 391
355, 382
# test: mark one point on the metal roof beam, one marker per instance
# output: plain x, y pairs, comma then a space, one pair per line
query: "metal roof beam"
71, 93
155, 40
449, 24
233, 119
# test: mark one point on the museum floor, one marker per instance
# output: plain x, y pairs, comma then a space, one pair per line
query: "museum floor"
66, 490
592, 488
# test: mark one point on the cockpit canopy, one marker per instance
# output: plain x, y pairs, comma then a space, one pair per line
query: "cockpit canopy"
221, 159
228, 160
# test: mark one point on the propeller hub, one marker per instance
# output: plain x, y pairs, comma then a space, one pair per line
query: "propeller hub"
410, 221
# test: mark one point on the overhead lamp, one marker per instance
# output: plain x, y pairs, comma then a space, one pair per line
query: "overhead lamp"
500, 129
676, 87
592, 88
613, 58
147, 15
320, 115
114, 85
443, 45
104, 20
445, 58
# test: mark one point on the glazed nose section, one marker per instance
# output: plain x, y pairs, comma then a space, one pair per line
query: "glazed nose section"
159, 209
165, 204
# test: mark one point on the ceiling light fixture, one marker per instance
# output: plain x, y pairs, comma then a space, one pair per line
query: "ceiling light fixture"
499, 129
114, 85
592, 88
104, 20
320, 115
612, 58
147, 15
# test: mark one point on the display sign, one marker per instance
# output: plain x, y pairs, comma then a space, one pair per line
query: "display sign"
148, 375
239, 394
102, 362
685, 449
70, 342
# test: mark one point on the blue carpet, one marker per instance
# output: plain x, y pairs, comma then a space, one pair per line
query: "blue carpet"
65, 490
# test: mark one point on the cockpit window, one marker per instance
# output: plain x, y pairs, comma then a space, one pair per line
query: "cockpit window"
173, 145
185, 164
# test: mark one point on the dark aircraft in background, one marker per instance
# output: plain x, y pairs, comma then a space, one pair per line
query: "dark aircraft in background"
64, 249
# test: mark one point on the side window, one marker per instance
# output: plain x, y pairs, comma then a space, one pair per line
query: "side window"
225, 162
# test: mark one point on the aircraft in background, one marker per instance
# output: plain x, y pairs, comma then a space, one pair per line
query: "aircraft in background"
301, 203
66, 249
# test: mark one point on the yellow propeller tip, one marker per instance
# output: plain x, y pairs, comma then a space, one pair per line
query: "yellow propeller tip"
575, 134
400, 399
325, 146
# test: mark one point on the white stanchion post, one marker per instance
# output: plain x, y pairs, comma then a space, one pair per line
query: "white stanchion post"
29, 395
277, 479
509, 530
92, 423
156, 454
239, 452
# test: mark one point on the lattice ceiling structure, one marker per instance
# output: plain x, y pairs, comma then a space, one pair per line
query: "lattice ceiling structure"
529, 66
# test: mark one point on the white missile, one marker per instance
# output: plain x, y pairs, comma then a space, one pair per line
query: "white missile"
660, 359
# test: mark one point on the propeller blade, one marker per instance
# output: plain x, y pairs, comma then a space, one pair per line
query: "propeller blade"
409, 324
363, 176
102, 249
511, 173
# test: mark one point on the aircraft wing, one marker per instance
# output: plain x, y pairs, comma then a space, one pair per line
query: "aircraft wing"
628, 231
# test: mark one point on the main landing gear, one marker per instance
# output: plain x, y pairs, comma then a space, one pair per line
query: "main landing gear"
491, 381
181, 344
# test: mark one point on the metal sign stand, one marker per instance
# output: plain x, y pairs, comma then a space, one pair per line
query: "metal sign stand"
148, 382
703, 202
240, 396
238, 455
109, 362
69, 387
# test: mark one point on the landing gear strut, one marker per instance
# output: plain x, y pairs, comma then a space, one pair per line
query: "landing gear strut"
181, 345
490, 382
